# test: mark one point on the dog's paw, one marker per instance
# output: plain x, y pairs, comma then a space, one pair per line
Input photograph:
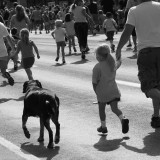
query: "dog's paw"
40, 139
50, 145
57, 139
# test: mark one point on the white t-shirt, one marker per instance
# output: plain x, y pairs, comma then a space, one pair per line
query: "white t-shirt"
109, 24
60, 34
107, 88
145, 18
3, 33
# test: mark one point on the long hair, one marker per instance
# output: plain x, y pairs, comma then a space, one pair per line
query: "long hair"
20, 13
68, 17
75, 3
24, 34
105, 52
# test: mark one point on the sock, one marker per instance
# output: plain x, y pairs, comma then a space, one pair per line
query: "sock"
103, 124
121, 117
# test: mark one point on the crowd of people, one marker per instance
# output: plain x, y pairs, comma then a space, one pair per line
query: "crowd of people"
66, 22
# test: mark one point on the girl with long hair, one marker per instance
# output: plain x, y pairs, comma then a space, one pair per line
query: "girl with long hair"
25, 45
105, 87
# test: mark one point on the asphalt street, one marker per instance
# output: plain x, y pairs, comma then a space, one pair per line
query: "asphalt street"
78, 115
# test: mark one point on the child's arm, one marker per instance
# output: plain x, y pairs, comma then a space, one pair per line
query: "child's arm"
94, 87
17, 50
36, 49
53, 34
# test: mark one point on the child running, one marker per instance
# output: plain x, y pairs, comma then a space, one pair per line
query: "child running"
59, 34
105, 87
25, 45
110, 26
69, 25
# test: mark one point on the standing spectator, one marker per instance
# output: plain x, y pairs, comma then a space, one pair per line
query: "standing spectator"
59, 34
36, 17
12, 12
6, 16
25, 45
3, 53
110, 26
144, 18
101, 18
105, 87
93, 9
69, 25
132, 3
107, 6
20, 20
46, 21
81, 25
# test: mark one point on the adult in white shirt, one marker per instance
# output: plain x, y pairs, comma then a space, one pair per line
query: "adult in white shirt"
144, 18
3, 53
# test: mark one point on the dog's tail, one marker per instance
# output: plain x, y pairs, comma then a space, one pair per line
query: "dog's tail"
52, 104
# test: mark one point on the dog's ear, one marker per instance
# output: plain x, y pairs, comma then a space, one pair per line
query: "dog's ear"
25, 86
39, 83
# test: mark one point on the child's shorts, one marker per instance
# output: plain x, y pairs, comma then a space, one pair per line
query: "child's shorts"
3, 62
27, 62
61, 44
110, 35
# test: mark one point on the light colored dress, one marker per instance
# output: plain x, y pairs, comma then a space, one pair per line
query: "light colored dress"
107, 89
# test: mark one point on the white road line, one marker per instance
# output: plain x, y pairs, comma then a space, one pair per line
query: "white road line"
16, 150
126, 83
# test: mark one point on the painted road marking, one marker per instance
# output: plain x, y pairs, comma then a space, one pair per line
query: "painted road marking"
16, 150
126, 83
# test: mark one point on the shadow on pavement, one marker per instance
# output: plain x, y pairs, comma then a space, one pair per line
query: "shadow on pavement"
40, 150
151, 144
3, 100
81, 61
105, 145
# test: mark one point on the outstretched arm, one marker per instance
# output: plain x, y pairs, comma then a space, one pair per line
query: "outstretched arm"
36, 49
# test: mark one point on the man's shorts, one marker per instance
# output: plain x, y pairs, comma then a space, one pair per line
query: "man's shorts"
61, 44
134, 32
149, 68
28, 62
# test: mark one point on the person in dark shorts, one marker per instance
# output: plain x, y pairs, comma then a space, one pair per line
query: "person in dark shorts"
25, 45
144, 18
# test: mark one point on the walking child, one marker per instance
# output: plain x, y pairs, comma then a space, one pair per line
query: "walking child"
69, 25
25, 45
59, 34
105, 87
110, 26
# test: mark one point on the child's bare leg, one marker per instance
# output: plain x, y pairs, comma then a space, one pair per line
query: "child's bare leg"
70, 44
29, 73
102, 116
118, 112
63, 54
58, 50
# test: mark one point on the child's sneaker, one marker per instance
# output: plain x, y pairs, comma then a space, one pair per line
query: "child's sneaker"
83, 56
155, 122
10, 79
125, 125
113, 48
63, 61
102, 129
57, 59
74, 48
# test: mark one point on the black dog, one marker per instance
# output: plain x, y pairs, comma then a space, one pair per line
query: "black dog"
39, 102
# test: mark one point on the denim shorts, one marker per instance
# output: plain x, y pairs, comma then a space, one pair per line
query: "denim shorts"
110, 35
149, 68
28, 62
